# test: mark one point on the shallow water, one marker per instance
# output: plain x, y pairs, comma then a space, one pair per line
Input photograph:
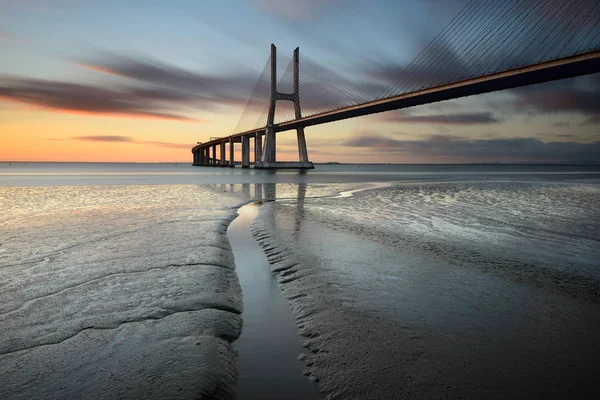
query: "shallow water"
550, 225
86, 174
268, 348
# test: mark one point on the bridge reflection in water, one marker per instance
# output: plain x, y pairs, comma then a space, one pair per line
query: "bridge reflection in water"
267, 192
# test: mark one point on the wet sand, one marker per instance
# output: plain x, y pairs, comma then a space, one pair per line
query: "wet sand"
383, 321
111, 292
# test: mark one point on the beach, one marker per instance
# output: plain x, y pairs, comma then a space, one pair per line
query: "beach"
445, 298
459, 282
111, 292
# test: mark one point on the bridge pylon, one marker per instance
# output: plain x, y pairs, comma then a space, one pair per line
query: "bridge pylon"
268, 156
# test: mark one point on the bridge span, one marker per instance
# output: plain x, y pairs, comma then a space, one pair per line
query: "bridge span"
206, 154
535, 37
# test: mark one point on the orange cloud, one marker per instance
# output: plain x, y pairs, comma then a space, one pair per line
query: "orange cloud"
99, 68
126, 139
134, 115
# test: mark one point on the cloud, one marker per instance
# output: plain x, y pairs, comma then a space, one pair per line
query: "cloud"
561, 124
77, 98
476, 44
450, 119
9, 37
167, 144
460, 149
319, 89
580, 95
437, 64
104, 138
127, 139
155, 89
293, 9
210, 90
560, 100
593, 120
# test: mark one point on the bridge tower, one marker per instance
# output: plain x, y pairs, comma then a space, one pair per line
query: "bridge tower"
267, 158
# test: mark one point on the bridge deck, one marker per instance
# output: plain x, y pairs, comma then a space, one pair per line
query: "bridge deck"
582, 64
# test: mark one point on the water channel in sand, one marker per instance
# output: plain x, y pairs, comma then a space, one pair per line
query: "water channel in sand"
269, 345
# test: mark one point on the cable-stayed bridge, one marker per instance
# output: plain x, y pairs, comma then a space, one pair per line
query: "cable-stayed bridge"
490, 45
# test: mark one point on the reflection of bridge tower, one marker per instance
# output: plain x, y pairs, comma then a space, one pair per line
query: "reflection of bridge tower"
266, 157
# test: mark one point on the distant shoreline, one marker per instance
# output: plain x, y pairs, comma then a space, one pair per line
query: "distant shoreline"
571, 164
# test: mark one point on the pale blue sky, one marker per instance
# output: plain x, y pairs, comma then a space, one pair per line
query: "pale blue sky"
210, 34
203, 46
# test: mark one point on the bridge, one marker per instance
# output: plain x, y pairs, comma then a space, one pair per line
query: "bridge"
489, 46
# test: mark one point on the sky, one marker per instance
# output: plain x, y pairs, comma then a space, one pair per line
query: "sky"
143, 81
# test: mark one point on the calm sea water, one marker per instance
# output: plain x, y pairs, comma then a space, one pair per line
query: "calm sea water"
66, 174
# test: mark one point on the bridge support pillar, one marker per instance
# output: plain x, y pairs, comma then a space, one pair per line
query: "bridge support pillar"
231, 153
268, 157
265, 151
245, 151
268, 153
302, 151
258, 148
273, 145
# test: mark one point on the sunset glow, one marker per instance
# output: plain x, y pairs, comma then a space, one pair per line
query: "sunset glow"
165, 78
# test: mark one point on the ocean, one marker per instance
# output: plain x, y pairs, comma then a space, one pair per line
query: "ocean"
385, 281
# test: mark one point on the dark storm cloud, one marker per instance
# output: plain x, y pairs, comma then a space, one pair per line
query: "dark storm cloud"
71, 97
524, 149
449, 119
